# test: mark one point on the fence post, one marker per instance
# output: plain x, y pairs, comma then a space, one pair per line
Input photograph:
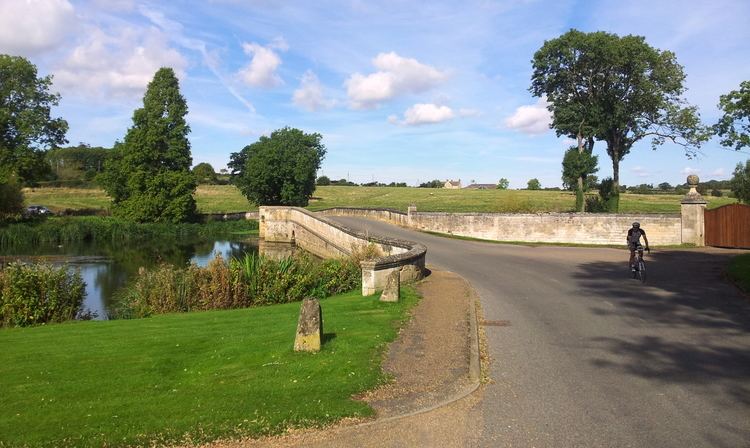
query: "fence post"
692, 209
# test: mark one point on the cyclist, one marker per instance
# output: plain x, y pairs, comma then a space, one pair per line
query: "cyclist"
634, 240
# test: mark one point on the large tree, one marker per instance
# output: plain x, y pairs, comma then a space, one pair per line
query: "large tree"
616, 89
27, 128
148, 175
280, 169
740, 183
734, 125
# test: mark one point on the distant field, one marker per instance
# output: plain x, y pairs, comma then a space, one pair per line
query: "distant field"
226, 198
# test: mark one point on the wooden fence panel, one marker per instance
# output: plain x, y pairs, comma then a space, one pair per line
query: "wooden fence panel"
728, 226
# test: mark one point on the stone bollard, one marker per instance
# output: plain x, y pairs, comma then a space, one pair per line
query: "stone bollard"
392, 291
309, 327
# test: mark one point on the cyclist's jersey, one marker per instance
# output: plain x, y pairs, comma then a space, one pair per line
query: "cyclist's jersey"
634, 236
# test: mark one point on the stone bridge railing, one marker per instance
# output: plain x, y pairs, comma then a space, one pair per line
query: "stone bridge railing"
327, 239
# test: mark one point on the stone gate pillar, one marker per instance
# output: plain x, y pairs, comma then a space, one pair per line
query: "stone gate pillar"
692, 208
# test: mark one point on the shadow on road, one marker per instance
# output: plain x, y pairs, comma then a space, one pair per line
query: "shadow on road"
694, 327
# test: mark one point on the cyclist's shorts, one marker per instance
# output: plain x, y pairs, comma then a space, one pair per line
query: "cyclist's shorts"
634, 246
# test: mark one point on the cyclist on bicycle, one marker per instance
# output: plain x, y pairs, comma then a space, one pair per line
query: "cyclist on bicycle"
634, 241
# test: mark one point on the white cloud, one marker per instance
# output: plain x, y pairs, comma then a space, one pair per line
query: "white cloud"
261, 72
534, 119
420, 114
640, 171
309, 95
396, 75
29, 27
468, 112
688, 171
720, 172
120, 64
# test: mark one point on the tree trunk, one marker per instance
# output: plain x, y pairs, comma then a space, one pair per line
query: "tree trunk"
580, 203
614, 203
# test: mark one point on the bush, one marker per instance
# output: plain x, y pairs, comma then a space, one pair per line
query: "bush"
716, 193
250, 281
37, 294
11, 201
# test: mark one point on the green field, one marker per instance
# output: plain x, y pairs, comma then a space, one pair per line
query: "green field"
190, 377
226, 198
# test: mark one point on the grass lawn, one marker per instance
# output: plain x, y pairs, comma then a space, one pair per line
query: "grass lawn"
226, 198
739, 271
190, 377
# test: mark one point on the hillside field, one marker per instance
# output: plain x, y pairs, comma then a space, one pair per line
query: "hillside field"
226, 198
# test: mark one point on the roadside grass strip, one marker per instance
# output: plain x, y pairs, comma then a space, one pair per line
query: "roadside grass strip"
191, 377
739, 271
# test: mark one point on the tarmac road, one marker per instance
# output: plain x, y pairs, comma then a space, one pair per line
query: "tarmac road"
583, 355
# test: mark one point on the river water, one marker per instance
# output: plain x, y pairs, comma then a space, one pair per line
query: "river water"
105, 269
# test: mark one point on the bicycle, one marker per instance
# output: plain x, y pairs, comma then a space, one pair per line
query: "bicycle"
639, 264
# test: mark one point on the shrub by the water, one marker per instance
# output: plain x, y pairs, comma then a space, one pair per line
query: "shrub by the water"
109, 229
249, 281
39, 293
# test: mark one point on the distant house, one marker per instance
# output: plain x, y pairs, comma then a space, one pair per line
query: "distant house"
452, 184
481, 187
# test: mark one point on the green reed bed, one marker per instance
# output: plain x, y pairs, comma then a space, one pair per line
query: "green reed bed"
238, 283
107, 229
37, 294
190, 377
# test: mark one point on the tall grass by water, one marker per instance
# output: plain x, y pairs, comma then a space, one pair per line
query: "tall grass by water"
38, 294
108, 229
238, 283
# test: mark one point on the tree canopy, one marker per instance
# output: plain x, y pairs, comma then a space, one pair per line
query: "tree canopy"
148, 175
82, 162
502, 184
280, 169
619, 90
740, 182
27, 128
576, 165
534, 184
734, 125
204, 173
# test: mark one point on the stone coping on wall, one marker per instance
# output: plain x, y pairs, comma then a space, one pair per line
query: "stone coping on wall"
414, 251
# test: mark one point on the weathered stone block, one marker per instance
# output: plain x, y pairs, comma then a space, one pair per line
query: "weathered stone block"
392, 291
309, 326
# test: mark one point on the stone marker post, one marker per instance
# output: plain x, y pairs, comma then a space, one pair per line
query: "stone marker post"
309, 327
692, 209
392, 291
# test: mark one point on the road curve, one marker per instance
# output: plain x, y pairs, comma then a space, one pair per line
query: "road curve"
586, 356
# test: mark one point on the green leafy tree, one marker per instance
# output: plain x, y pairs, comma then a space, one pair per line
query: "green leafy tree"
148, 175
204, 173
280, 169
81, 163
27, 129
734, 125
11, 198
665, 186
740, 182
502, 184
578, 167
323, 181
533, 184
619, 90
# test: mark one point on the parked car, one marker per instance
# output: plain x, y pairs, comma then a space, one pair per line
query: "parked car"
38, 210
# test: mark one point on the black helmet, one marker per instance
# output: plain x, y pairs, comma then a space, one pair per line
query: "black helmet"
636, 224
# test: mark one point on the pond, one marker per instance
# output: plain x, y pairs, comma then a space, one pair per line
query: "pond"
107, 268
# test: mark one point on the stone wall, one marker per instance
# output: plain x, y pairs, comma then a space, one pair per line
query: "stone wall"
327, 239
579, 228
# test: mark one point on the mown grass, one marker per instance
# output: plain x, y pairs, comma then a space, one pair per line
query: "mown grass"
190, 377
226, 198
739, 271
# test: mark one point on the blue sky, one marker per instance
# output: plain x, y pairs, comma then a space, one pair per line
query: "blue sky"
401, 91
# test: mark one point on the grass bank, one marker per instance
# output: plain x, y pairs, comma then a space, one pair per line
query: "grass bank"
190, 377
108, 229
739, 271
226, 198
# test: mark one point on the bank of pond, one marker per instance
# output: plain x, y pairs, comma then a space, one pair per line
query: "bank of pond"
103, 268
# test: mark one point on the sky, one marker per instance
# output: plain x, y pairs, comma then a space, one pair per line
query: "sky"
401, 91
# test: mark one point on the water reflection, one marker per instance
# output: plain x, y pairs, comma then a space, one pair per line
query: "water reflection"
105, 267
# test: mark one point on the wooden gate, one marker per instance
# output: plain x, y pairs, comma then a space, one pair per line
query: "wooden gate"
728, 226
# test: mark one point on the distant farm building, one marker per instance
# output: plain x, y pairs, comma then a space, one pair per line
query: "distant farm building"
481, 187
452, 184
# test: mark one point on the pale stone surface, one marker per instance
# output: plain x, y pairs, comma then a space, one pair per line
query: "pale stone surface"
392, 291
309, 327
692, 209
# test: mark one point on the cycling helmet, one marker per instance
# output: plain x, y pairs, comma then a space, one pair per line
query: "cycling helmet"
636, 224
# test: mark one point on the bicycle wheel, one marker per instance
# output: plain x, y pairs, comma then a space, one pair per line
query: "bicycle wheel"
642, 271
